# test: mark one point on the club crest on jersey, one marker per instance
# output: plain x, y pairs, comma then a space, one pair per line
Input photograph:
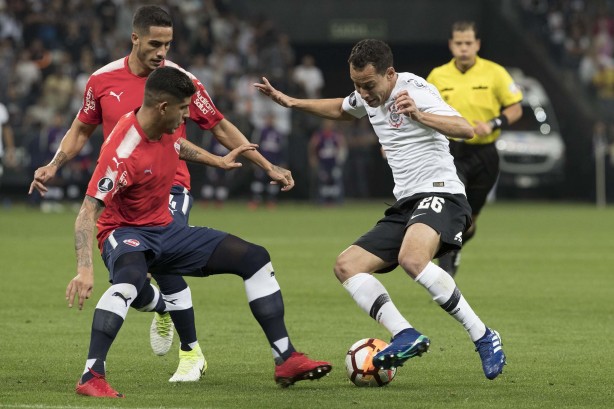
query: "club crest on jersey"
105, 185
132, 242
396, 119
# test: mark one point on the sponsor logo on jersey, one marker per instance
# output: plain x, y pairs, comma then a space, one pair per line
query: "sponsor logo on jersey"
117, 162
202, 102
396, 119
113, 94
132, 242
122, 181
105, 185
89, 101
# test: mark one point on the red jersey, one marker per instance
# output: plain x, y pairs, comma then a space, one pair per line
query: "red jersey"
113, 90
133, 178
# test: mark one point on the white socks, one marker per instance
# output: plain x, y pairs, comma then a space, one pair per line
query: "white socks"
442, 288
372, 297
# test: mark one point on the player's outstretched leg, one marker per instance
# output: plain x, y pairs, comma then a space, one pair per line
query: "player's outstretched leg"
491, 353
97, 387
192, 365
405, 345
299, 368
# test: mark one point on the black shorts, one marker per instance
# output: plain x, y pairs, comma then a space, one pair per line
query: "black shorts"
449, 215
478, 168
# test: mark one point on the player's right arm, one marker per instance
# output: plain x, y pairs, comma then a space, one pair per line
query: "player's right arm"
329, 108
71, 144
85, 231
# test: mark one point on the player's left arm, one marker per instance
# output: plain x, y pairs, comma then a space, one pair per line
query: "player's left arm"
452, 126
192, 153
85, 231
231, 137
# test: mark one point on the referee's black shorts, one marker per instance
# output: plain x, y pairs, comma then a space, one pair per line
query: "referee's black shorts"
478, 168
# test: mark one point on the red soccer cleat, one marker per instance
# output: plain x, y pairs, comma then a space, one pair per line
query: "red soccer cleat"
299, 368
97, 387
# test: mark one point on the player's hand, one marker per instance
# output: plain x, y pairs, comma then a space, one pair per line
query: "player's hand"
482, 128
81, 286
230, 161
407, 106
281, 176
41, 176
267, 89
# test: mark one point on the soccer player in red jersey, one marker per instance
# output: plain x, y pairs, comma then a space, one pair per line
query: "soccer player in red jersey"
127, 201
117, 89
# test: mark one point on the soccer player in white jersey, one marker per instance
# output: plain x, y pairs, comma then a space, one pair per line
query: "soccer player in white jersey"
431, 212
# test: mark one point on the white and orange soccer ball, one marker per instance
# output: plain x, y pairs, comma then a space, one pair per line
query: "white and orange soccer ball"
359, 364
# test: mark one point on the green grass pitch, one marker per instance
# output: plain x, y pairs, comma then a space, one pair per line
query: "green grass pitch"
541, 274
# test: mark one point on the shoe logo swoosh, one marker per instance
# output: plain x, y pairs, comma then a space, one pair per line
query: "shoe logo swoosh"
416, 215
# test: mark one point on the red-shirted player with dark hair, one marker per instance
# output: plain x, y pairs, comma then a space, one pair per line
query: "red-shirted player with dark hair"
117, 89
127, 200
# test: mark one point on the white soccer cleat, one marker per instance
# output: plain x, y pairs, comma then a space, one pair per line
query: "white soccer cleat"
161, 333
192, 365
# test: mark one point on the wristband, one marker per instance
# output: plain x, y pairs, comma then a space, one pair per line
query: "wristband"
498, 122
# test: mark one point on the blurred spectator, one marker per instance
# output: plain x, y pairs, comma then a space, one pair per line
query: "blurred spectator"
327, 152
70, 183
203, 71
271, 145
7, 142
603, 81
27, 77
308, 77
361, 145
58, 88
215, 187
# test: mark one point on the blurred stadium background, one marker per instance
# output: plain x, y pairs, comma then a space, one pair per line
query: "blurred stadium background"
50, 47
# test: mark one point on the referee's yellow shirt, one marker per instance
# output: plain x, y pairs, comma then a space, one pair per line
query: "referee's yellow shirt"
478, 94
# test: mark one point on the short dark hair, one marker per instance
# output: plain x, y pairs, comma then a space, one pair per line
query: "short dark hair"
165, 82
150, 16
465, 26
374, 52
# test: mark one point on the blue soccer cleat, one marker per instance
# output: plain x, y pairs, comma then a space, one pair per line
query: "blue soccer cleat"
406, 344
491, 353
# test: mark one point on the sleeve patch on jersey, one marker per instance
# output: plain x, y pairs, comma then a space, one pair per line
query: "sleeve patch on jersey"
105, 185
89, 102
353, 99
514, 88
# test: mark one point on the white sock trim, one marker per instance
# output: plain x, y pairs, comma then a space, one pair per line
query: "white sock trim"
181, 300
262, 283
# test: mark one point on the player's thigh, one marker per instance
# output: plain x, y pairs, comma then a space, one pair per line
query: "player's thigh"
186, 249
356, 259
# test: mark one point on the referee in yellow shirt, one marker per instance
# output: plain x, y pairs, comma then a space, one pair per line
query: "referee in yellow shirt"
485, 94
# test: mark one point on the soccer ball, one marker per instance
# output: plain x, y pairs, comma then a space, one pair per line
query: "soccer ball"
359, 364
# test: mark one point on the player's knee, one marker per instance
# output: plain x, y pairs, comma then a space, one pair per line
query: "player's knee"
412, 263
343, 267
255, 258
130, 268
